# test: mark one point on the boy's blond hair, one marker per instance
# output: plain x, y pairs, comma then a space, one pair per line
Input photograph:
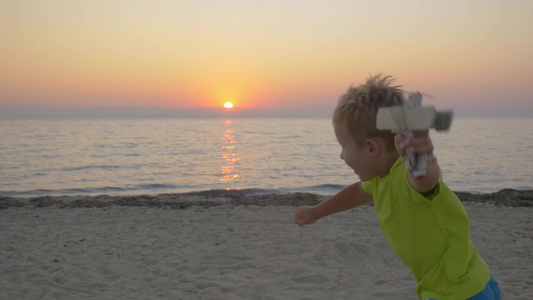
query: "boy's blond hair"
358, 107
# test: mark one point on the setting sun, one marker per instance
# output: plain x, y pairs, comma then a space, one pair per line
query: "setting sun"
228, 105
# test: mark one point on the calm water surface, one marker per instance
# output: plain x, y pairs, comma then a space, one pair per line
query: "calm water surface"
61, 157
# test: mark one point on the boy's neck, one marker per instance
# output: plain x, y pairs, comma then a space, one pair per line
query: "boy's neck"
387, 162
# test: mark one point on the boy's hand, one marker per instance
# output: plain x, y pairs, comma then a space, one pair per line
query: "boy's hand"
305, 215
418, 142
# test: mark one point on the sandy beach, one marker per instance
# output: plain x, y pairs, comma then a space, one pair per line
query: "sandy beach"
197, 246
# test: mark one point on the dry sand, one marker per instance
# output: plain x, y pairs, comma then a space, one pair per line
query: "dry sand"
194, 246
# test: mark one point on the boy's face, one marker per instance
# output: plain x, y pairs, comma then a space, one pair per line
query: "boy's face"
356, 156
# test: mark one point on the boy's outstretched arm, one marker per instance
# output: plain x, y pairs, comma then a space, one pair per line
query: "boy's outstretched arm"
350, 197
419, 142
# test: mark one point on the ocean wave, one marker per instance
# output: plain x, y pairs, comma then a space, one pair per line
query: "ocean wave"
152, 189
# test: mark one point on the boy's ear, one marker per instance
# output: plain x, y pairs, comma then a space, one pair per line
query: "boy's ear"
373, 146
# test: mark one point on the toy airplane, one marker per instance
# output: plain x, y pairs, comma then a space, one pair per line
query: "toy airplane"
413, 116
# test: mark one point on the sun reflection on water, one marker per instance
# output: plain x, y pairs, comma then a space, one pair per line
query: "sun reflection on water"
229, 155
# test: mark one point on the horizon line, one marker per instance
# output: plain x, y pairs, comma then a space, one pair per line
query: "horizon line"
29, 112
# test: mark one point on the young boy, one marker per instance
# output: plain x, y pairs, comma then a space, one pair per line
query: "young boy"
422, 219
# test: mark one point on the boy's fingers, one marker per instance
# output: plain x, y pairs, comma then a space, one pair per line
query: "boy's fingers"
400, 140
431, 158
419, 133
420, 142
421, 145
401, 143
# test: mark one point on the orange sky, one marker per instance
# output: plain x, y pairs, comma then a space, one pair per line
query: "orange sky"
470, 55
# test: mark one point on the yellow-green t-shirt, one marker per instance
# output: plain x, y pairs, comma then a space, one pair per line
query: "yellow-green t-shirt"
430, 234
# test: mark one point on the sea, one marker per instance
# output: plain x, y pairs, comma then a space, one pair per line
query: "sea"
234, 156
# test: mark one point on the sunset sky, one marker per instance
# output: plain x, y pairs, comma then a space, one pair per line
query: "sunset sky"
474, 56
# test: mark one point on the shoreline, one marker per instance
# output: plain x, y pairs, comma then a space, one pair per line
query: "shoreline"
505, 197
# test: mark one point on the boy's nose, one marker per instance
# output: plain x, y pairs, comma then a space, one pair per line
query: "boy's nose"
342, 155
